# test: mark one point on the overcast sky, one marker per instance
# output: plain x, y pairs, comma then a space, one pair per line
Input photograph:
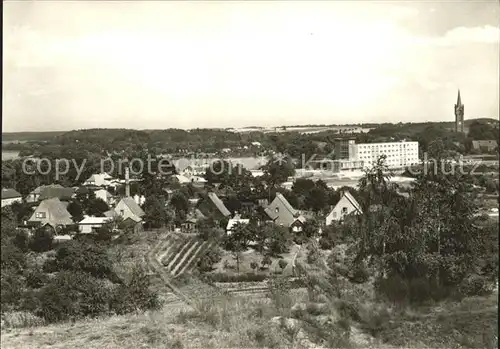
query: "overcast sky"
70, 65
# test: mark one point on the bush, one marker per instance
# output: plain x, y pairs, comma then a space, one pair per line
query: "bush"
36, 278
211, 257
415, 291
72, 295
11, 289
325, 243
42, 240
21, 241
12, 258
134, 294
84, 257
475, 286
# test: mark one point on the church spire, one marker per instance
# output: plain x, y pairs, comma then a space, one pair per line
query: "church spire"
459, 114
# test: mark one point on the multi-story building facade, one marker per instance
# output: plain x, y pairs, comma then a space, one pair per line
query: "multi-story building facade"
344, 148
398, 154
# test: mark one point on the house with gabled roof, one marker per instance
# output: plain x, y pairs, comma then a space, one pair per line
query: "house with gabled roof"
128, 210
281, 212
345, 206
485, 145
192, 218
212, 205
51, 212
9, 196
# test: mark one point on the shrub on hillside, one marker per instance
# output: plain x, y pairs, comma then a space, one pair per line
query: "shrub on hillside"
21, 241
42, 240
134, 294
71, 295
36, 278
209, 259
12, 258
84, 257
11, 289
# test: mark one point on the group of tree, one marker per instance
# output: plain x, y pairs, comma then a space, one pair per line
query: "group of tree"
428, 245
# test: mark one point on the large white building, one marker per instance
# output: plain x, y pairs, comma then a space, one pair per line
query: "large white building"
399, 154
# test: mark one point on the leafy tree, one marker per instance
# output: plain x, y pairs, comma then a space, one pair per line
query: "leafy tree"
84, 257
429, 241
42, 239
266, 261
238, 241
97, 207
209, 259
278, 169
180, 203
482, 131
134, 294
75, 209
278, 241
156, 213
71, 295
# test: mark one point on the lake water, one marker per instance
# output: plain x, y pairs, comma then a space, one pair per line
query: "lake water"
250, 163
9, 154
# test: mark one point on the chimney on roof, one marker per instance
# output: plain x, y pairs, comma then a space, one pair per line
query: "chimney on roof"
127, 182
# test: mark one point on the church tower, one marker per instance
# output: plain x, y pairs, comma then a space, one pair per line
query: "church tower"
459, 115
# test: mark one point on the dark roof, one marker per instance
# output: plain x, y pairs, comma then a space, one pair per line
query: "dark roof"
39, 189
219, 204
10, 194
55, 192
82, 190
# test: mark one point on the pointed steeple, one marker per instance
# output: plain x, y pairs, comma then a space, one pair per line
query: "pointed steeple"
459, 100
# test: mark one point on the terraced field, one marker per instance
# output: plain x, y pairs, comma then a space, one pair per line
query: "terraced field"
180, 254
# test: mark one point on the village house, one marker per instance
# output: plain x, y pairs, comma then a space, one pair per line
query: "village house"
9, 196
50, 191
62, 193
51, 212
485, 145
189, 225
34, 195
282, 213
90, 224
212, 205
345, 206
129, 211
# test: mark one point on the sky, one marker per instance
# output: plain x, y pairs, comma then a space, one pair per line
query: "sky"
155, 65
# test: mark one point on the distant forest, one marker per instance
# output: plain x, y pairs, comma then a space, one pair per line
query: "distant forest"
126, 142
